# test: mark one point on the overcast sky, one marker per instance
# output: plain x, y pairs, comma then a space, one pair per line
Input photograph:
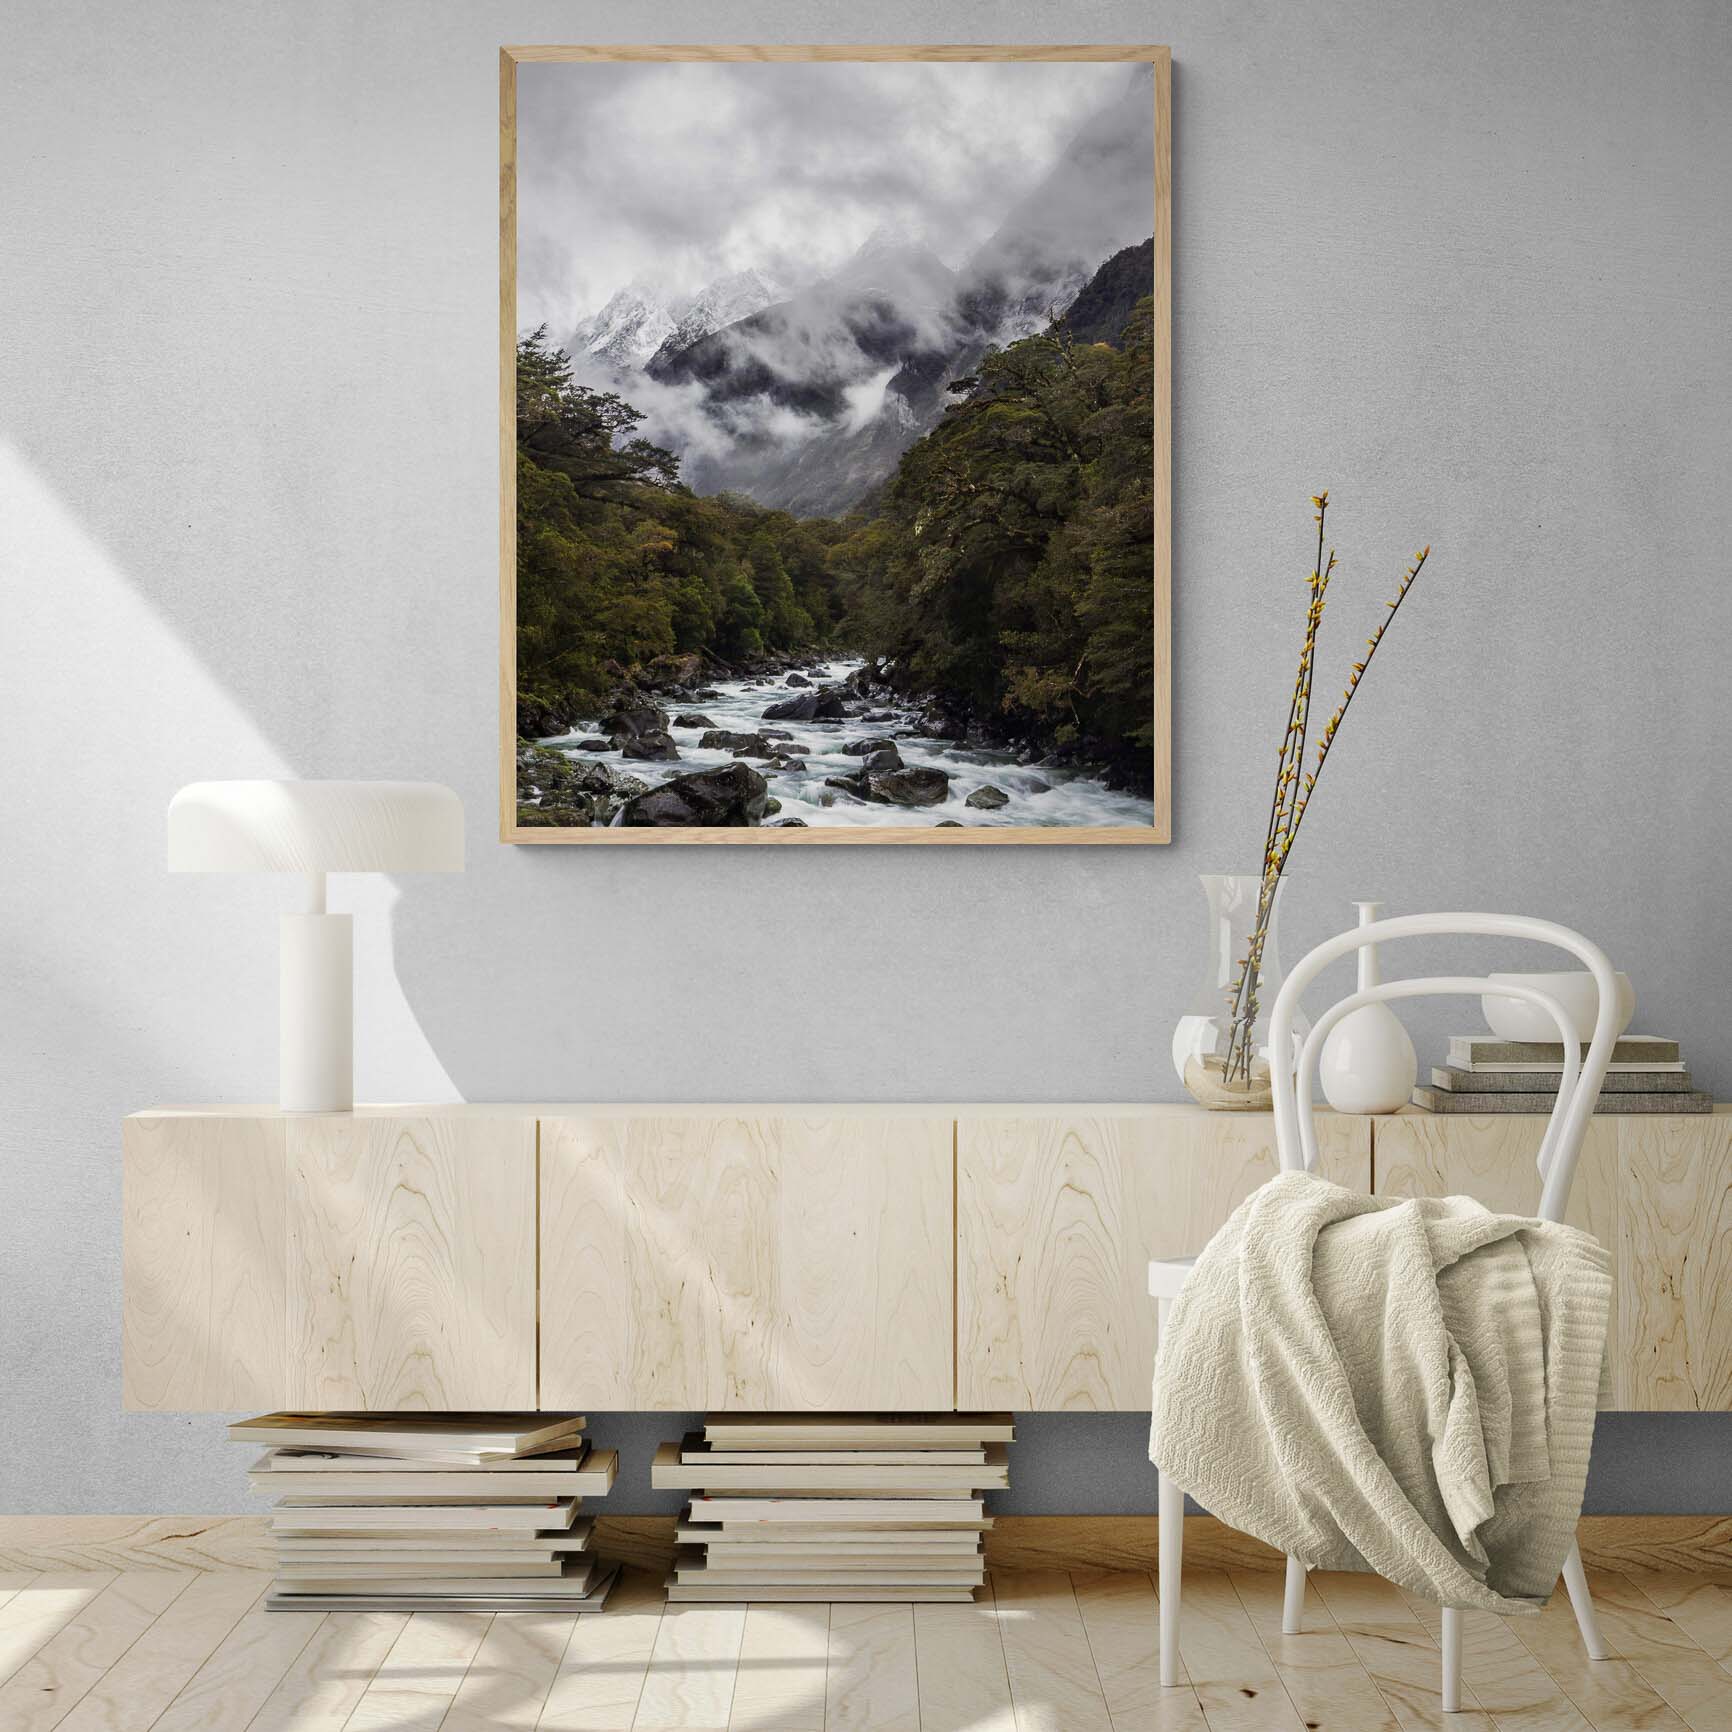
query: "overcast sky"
674, 175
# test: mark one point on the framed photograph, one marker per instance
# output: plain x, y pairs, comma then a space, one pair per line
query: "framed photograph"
835, 444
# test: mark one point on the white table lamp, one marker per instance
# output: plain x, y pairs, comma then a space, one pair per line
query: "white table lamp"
314, 828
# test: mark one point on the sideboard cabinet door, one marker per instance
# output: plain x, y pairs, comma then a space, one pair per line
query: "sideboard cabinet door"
411, 1262
701, 1261
1492, 1160
1654, 1189
203, 1318
1057, 1219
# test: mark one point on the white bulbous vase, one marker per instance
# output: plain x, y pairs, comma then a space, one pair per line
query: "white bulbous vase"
1368, 1063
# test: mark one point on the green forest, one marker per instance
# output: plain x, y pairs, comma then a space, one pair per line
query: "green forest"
1004, 572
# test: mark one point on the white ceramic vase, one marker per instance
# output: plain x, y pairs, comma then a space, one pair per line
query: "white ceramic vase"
1368, 1063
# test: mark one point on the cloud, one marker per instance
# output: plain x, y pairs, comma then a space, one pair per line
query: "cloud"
674, 174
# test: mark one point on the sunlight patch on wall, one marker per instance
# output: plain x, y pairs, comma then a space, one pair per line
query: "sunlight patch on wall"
100, 722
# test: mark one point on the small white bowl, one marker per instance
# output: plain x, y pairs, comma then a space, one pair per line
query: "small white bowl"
1576, 991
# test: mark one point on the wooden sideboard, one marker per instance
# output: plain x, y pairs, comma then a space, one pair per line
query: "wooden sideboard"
798, 1257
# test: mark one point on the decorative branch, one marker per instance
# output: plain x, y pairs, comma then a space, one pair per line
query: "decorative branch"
1294, 786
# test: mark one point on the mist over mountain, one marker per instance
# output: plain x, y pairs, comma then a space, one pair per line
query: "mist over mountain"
804, 396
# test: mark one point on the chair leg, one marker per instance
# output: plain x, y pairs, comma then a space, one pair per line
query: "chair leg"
1582, 1603
1293, 1606
1171, 1529
1451, 1660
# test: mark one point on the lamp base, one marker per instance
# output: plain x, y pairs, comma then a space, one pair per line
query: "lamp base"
316, 1034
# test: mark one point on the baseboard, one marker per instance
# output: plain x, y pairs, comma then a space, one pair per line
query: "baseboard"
1696, 1545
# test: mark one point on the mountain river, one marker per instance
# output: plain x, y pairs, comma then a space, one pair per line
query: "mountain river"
1043, 795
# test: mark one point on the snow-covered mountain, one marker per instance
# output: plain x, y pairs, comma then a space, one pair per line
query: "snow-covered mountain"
726, 301
638, 325
626, 332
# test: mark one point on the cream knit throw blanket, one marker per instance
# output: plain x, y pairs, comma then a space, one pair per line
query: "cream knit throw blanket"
1403, 1387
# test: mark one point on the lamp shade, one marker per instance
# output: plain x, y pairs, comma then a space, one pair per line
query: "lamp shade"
315, 827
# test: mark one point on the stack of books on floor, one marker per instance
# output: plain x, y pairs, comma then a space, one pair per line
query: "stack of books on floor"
1487, 1074
834, 1506
455, 1512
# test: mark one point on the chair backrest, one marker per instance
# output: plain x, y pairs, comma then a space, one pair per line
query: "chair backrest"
1578, 1086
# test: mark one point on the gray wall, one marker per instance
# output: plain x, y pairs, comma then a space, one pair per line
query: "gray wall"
1467, 266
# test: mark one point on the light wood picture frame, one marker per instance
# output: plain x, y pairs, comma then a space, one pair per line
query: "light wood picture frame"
1043, 736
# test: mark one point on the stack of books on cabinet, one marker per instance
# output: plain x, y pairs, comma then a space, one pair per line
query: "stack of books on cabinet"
834, 1506
1487, 1074
458, 1512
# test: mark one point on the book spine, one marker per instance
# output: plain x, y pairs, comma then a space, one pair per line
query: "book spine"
1454, 1077
1474, 1048
1437, 1100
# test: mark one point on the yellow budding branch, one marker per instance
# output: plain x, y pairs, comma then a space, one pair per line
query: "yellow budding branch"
1292, 794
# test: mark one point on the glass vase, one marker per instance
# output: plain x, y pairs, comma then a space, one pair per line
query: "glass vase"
1221, 1046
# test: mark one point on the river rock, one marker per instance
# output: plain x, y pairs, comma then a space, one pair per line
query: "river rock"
732, 796
741, 745
859, 784
595, 743
915, 785
790, 824
776, 733
987, 799
1034, 785
814, 706
796, 680
882, 756
692, 719
936, 725
671, 673
629, 720
539, 719
948, 824
555, 817
657, 748
772, 806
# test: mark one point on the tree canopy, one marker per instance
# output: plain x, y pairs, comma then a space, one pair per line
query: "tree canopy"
1005, 570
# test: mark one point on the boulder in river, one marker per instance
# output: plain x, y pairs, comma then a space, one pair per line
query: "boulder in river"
632, 719
538, 719
657, 748
692, 719
790, 824
882, 755
914, 785
917, 785
732, 796
948, 824
796, 680
595, 743
777, 733
987, 799
741, 745
813, 706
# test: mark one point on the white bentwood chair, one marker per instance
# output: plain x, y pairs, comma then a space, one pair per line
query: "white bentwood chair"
1296, 1146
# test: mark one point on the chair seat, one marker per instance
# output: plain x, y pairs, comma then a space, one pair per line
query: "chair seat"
1168, 1274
